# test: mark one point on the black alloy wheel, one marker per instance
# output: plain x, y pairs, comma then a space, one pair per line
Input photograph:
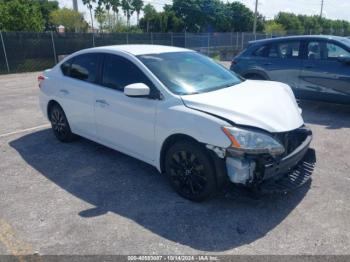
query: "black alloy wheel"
190, 171
60, 125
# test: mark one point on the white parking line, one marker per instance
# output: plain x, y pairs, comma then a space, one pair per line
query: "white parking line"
24, 130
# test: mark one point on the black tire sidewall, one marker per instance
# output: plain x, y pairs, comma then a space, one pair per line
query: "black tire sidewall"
68, 137
204, 158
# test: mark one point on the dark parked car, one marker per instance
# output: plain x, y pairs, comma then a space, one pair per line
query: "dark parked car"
316, 67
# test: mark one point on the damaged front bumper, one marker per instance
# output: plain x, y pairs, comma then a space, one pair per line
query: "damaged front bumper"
275, 174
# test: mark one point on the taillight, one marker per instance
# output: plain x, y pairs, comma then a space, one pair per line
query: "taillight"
40, 80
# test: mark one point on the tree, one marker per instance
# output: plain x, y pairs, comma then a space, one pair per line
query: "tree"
21, 15
165, 21
100, 16
137, 4
46, 7
73, 21
115, 8
89, 3
290, 22
128, 9
274, 28
149, 13
241, 17
107, 5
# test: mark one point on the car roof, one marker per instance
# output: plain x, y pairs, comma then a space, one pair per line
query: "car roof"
298, 37
141, 49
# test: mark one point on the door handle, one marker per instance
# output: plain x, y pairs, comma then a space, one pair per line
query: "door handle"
102, 102
64, 91
309, 66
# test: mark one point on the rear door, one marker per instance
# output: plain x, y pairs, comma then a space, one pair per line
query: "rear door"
324, 77
283, 62
76, 92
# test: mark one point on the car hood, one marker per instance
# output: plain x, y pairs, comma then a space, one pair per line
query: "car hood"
263, 104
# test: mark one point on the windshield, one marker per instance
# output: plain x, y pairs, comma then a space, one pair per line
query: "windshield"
186, 73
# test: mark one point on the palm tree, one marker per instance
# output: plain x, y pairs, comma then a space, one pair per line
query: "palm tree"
88, 3
107, 4
100, 15
128, 10
115, 8
137, 4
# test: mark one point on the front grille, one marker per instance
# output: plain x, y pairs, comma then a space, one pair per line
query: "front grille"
292, 139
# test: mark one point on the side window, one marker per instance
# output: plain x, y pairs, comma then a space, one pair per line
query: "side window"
65, 67
261, 51
118, 72
285, 50
334, 51
84, 67
314, 51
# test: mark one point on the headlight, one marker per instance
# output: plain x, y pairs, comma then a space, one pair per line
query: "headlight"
253, 142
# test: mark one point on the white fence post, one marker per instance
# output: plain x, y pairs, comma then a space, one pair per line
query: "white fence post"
54, 48
4, 49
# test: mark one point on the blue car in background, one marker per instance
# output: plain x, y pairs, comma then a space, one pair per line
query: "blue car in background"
316, 67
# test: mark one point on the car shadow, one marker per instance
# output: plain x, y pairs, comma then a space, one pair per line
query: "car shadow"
114, 182
332, 116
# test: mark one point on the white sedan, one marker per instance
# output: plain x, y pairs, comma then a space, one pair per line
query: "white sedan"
191, 118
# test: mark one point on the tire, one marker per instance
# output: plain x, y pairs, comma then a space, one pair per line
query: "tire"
254, 77
190, 171
60, 125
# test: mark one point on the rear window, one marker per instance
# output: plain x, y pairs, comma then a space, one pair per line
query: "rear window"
261, 51
84, 67
65, 67
284, 50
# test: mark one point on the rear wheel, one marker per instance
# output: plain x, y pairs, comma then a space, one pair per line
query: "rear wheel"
190, 171
60, 125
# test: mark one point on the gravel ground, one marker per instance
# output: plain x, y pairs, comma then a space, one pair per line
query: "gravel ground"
83, 198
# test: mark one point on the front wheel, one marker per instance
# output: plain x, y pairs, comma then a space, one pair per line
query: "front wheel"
60, 125
190, 171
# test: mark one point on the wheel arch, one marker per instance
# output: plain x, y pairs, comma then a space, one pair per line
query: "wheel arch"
171, 140
256, 72
218, 163
50, 104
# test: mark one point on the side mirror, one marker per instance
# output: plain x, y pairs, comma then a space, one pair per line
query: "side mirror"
344, 59
137, 90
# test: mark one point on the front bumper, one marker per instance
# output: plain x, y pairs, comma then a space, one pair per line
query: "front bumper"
278, 174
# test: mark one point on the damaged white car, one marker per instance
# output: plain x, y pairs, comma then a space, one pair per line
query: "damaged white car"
191, 118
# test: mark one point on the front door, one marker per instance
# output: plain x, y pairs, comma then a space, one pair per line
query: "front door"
125, 123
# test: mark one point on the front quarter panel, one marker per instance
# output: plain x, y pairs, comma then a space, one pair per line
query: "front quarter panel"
176, 118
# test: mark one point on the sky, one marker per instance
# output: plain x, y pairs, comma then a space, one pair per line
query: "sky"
333, 9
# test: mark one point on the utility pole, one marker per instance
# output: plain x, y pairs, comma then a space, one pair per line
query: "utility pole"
322, 2
75, 5
255, 16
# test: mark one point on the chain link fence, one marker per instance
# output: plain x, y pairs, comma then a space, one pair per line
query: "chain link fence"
29, 52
